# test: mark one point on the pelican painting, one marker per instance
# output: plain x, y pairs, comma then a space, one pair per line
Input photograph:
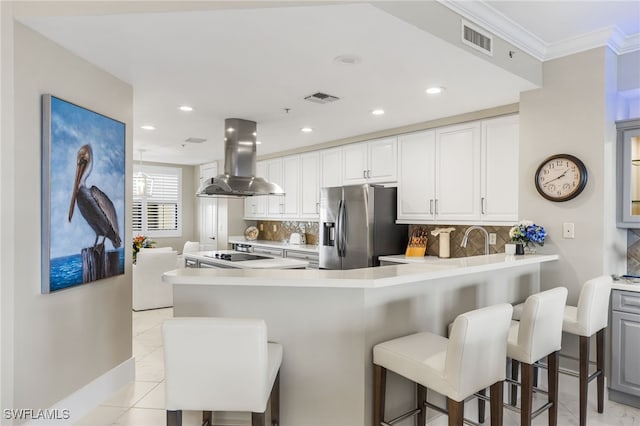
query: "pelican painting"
95, 206
83, 180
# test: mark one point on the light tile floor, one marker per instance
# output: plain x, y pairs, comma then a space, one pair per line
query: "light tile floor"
141, 403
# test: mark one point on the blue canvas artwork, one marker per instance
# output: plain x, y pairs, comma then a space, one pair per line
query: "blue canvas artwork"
83, 203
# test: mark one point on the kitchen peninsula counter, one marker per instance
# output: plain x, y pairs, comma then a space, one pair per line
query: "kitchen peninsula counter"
329, 321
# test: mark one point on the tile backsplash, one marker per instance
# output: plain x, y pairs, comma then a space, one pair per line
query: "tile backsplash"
281, 230
475, 245
633, 251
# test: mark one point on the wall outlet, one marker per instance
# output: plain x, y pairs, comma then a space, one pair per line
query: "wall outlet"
492, 238
275, 228
262, 226
568, 230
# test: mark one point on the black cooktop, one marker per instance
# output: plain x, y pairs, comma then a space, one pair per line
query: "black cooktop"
236, 257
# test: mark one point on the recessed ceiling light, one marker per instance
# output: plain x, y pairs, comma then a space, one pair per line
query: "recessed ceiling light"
147, 127
306, 130
185, 108
377, 112
349, 59
434, 90
231, 129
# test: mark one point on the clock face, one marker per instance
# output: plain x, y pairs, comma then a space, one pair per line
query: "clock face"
561, 177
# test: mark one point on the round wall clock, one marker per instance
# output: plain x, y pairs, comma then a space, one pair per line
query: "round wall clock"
561, 177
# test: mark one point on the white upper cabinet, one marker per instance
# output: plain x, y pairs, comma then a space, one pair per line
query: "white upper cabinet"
310, 185
439, 175
372, 162
354, 163
416, 176
331, 167
458, 172
466, 173
256, 207
291, 186
275, 203
499, 181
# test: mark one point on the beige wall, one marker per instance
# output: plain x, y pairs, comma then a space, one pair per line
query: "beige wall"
62, 341
7, 214
573, 113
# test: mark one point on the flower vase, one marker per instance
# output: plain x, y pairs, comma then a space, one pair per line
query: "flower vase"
519, 249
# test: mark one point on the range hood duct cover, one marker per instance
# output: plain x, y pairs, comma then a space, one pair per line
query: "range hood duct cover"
239, 178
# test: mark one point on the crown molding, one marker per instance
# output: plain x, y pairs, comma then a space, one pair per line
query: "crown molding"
504, 27
489, 18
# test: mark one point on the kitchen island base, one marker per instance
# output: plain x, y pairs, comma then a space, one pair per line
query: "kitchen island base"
328, 332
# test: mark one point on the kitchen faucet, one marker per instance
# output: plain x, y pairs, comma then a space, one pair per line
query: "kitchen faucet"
465, 239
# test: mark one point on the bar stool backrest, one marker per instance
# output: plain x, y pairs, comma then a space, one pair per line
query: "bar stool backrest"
593, 304
540, 329
215, 364
477, 349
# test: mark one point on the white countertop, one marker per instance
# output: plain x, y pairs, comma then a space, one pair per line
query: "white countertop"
283, 245
620, 285
383, 276
269, 263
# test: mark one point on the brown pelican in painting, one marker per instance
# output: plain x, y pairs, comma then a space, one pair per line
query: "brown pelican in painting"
96, 208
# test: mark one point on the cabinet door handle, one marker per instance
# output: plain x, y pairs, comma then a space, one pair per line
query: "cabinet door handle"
364, 174
483, 202
431, 206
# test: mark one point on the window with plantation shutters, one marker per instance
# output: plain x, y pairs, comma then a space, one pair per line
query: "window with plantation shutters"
157, 209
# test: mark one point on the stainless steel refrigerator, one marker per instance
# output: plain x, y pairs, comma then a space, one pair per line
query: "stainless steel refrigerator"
357, 224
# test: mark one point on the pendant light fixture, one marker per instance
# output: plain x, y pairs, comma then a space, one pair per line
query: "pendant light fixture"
142, 183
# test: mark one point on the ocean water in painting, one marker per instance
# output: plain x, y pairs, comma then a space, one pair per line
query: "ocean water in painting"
66, 271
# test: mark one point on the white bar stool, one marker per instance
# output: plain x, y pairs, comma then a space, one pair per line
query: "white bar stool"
538, 334
470, 360
588, 318
220, 364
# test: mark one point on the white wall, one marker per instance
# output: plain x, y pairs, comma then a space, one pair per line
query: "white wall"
62, 341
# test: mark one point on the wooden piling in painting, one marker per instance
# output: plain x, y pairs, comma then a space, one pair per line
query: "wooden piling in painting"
98, 264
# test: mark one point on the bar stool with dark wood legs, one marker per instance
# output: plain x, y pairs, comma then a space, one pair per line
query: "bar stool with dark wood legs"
470, 360
537, 335
589, 318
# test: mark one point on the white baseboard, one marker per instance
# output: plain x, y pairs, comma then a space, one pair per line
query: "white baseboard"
81, 402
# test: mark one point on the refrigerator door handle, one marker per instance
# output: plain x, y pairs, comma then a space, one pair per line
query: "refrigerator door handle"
340, 231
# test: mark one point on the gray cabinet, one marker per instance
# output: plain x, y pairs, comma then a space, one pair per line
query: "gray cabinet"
628, 168
625, 347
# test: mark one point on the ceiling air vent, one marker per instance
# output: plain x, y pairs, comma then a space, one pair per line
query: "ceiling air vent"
321, 98
477, 38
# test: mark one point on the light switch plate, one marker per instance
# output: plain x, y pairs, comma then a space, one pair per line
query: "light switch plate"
492, 238
568, 230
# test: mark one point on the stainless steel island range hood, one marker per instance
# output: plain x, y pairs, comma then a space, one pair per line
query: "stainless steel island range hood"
239, 178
